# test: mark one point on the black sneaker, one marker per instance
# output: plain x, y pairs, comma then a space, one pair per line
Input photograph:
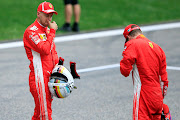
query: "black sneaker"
75, 27
66, 27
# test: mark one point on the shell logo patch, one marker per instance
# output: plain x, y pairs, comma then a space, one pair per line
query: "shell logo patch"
150, 44
50, 5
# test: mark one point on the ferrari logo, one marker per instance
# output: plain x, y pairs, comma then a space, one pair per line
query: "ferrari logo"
150, 44
48, 31
43, 37
50, 5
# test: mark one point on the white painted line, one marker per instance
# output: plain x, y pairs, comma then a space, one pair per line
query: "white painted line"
160, 27
97, 34
89, 35
98, 68
173, 68
11, 45
113, 66
115, 32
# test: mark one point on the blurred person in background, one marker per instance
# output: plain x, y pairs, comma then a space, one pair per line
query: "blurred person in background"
41, 51
148, 64
71, 6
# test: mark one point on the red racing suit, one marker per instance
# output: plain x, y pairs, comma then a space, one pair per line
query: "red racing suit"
40, 50
148, 64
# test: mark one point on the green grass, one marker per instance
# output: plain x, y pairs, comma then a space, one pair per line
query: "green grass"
17, 15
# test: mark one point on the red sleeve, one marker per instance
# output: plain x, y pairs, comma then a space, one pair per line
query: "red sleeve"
128, 60
35, 41
56, 58
163, 72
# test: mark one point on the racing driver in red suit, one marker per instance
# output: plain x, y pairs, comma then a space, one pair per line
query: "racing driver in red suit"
148, 64
40, 49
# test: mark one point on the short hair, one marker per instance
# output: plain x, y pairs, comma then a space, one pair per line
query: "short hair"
135, 32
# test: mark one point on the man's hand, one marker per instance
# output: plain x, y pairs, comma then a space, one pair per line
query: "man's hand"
53, 25
164, 89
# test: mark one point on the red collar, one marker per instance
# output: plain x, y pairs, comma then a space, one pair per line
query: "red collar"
140, 36
39, 25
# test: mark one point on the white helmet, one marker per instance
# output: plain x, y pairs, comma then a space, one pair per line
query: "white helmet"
61, 82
